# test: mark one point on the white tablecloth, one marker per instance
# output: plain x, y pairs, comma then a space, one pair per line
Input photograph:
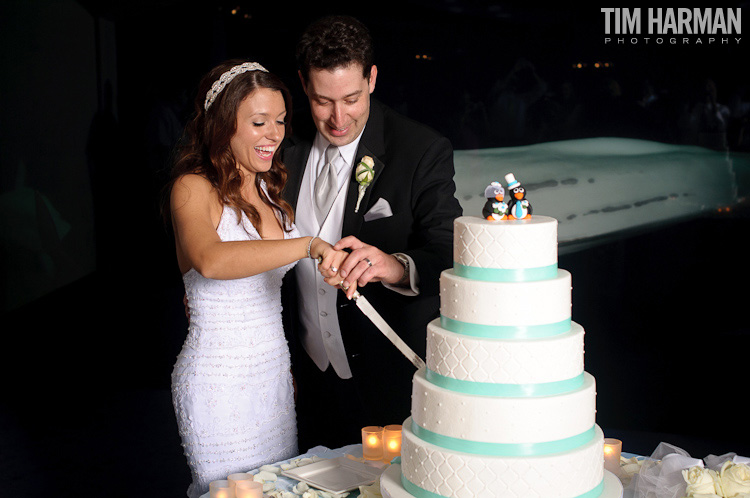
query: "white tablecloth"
286, 484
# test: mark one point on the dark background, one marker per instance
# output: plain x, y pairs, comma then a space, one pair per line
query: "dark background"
92, 93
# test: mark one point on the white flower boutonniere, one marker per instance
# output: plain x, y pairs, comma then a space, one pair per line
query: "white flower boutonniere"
364, 174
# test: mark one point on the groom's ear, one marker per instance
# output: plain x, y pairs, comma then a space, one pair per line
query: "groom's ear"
302, 80
373, 77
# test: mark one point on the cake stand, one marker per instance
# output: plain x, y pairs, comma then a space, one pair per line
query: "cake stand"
390, 484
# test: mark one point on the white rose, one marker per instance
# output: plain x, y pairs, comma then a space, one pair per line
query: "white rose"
735, 479
701, 482
372, 491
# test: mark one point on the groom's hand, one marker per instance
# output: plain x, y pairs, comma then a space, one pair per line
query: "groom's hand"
367, 263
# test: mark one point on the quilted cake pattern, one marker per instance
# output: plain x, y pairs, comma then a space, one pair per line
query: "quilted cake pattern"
500, 419
504, 362
462, 475
524, 244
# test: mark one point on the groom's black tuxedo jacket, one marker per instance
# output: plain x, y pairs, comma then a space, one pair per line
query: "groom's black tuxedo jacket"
414, 174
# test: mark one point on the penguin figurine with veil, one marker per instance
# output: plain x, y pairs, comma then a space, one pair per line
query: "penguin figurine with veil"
494, 208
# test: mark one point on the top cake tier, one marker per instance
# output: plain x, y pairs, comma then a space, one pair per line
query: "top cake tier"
505, 250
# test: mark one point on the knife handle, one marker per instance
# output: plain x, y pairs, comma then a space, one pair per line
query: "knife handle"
343, 288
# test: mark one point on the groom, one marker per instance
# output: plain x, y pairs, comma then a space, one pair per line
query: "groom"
400, 234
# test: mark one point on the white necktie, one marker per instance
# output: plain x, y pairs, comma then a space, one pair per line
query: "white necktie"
326, 185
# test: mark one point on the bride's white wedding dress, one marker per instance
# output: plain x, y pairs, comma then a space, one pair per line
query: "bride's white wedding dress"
231, 385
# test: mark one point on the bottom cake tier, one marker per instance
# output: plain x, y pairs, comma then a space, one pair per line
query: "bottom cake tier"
429, 471
391, 485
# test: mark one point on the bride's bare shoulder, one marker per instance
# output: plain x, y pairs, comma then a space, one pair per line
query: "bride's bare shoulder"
189, 188
192, 180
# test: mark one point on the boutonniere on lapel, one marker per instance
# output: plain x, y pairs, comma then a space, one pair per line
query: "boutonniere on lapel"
364, 174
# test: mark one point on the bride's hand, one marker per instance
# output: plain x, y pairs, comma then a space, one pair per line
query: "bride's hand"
330, 261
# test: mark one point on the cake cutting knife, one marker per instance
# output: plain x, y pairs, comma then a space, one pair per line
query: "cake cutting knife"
364, 305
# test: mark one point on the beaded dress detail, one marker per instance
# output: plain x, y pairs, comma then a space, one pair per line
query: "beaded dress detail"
231, 385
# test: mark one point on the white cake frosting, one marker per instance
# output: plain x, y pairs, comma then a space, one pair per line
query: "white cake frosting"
540, 302
511, 244
503, 408
497, 361
493, 419
464, 475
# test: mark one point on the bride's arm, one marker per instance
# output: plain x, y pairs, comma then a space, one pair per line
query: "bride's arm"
195, 213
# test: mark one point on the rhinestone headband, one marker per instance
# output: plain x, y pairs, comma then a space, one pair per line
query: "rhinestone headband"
225, 78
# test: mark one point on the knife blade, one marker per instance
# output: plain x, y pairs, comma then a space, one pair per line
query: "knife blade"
364, 305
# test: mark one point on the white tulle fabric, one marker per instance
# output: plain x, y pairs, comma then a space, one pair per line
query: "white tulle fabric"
660, 475
231, 385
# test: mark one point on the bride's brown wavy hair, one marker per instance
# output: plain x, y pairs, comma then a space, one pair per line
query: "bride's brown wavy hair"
205, 148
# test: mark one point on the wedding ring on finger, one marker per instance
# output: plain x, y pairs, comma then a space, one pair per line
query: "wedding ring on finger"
369, 263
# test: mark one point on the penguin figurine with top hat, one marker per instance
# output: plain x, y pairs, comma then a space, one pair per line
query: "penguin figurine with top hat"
494, 208
519, 207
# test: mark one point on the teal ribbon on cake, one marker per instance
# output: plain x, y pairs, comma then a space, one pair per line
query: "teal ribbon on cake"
418, 492
503, 449
504, 390
505, 274
505, 331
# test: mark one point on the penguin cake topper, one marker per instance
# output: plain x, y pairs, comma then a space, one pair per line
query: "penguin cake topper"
495, 208
519, 207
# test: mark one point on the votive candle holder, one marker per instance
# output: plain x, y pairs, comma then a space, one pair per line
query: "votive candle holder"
372, 442
238, 477
220, 489
391, 442
249, 489
612, 452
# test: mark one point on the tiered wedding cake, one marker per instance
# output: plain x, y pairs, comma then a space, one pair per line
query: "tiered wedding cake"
504, 407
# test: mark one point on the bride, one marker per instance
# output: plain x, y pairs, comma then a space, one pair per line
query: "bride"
235, 238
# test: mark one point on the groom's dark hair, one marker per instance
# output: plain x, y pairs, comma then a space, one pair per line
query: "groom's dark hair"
333, 42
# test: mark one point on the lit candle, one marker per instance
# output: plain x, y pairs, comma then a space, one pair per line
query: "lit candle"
220, 489
238, 477
372, 442
249, 489
391, 442
612, 450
